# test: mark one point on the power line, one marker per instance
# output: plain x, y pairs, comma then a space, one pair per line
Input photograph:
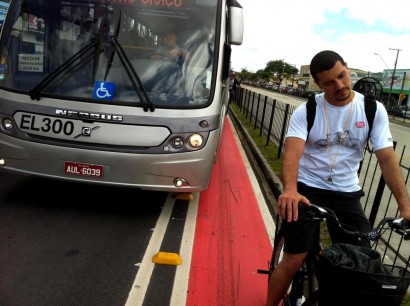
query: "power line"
382, 60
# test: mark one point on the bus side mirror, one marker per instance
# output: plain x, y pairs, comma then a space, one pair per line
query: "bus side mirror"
235, 23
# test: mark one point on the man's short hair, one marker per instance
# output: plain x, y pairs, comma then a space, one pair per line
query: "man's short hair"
170, 28
324, 60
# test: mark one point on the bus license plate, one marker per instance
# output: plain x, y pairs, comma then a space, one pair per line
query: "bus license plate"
81, 169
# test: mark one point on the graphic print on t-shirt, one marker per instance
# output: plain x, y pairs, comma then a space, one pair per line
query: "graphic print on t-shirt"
343, 139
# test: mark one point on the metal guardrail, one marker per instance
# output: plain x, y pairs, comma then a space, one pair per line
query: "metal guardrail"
271, 118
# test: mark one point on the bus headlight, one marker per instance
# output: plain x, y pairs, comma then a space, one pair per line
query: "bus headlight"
185, 142
7, 124
177, 142
195, 140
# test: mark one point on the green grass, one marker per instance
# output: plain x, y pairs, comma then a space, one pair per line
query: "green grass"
270, 153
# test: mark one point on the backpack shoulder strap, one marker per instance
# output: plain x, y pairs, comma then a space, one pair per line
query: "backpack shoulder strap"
370, 109
310, 112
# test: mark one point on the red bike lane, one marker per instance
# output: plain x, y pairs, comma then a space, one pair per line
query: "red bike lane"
231, 240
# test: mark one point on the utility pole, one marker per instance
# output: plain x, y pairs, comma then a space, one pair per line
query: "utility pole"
394, 72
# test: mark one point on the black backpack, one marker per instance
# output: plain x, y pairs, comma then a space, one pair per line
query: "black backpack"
369, 107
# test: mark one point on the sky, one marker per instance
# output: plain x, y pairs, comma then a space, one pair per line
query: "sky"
294, 31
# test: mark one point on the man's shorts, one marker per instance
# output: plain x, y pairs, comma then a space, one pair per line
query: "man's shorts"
304, 234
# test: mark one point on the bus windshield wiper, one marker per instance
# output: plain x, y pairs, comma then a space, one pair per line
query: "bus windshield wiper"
35, 92
96, 43
129, 68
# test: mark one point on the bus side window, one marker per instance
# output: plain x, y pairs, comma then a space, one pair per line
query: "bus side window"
134, 45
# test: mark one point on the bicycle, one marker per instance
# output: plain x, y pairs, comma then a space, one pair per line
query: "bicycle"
320, 282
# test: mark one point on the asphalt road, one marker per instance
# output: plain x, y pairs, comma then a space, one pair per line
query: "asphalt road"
72, 244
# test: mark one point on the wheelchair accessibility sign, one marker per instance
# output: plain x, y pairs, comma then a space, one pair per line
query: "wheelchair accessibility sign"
103, 90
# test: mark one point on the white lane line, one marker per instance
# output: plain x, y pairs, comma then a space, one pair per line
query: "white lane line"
180, 289
143, 277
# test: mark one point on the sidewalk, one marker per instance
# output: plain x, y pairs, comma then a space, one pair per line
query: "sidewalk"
401, 121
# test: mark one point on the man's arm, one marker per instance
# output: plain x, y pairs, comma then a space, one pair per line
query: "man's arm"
289, 200
394, 179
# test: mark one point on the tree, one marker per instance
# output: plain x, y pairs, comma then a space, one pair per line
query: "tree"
263, 75
245, 75
276, 69
281, 70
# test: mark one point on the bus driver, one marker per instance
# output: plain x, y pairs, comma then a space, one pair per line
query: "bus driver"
169, 50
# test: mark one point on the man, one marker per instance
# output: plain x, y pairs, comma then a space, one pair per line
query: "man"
169, 50
322, 167
233, 85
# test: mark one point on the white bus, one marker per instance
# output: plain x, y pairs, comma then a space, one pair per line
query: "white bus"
82, 97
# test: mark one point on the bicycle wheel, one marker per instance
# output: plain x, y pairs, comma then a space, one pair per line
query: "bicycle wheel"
312, 300
310, 282
277, 252
304, 287
277, 255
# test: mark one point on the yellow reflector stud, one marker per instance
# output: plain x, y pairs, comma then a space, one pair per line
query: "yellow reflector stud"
184, 196
165, 258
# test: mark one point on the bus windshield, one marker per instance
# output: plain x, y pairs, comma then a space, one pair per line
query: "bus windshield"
151, 54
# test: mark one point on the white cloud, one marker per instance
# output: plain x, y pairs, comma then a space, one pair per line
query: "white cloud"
285, 30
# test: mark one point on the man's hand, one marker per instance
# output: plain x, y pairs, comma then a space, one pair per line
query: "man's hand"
288, 203
175, 52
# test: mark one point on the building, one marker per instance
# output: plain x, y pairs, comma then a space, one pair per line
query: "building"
401, 82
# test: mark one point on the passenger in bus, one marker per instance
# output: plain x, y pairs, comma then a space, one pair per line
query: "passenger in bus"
169, 50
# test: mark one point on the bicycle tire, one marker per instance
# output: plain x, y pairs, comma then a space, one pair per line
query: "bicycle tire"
306, 278
312, 300
277, 251
311, 284
277, 255
304, 287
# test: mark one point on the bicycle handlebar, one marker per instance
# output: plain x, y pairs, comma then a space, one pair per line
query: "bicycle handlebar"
399, 225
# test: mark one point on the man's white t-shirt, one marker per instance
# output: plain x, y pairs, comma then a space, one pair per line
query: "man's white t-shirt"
314, 166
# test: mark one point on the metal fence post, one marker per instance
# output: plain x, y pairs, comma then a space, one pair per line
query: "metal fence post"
247, 105
241, 93
253, 103
283, 134
257, 112
242, 109
378, 196
271, 121
263, 115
